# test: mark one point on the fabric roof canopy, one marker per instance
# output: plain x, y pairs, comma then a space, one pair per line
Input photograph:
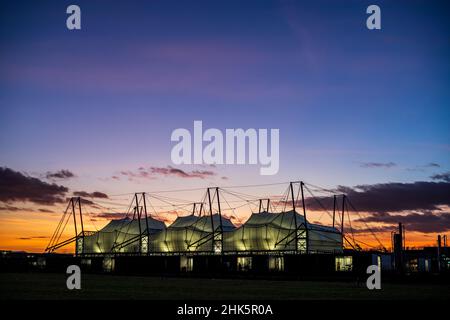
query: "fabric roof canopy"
121, 231
261, 232
276, 231
189, 233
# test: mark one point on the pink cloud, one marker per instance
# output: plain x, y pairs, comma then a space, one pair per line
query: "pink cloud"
169, 171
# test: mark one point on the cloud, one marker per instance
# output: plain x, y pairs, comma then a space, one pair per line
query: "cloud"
140, 173
86, 202
423, 168
421, 222
111, 215
375, 229
10, 208
201, 174
61, 174
378, 165
15, 186
390, 197
442, 176
95, 194
169, 171
89, 203
432, 165
31, 238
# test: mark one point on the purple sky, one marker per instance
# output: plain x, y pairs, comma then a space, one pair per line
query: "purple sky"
353, 106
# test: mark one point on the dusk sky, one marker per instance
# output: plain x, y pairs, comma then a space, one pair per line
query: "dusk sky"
354, 106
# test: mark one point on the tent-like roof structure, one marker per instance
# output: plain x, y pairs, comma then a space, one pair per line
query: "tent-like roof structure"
202, 223
121, 231
190, 233
280, 220
267, 231
131, 226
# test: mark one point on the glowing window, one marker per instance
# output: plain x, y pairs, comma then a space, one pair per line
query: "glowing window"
344, 263
244, 263
186, 264
276, 263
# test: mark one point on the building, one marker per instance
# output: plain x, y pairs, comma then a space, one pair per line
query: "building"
262, 232
206, 242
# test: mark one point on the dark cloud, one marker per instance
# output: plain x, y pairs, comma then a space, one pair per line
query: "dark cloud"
15, 186
111, 215
394, 197
31, 238
424, 167
201, 174
61, 174
170, 171
89, 203
376, 230
154, 172
442, 177
95, 194
432, 165
378, 165
140, 173
10, 208
422, 222
380, 198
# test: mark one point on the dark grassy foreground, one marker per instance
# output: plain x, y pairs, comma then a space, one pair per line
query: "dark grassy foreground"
53, 286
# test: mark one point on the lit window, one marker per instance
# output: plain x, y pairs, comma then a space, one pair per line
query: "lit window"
244, 263
344, 263
186, 263
276, 263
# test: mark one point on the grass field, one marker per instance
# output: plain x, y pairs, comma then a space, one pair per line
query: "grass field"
53, 286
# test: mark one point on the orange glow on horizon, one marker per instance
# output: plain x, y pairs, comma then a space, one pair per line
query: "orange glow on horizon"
31, 231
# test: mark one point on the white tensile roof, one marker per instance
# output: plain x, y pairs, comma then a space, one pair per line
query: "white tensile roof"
283, 220
132, 226
202, 223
